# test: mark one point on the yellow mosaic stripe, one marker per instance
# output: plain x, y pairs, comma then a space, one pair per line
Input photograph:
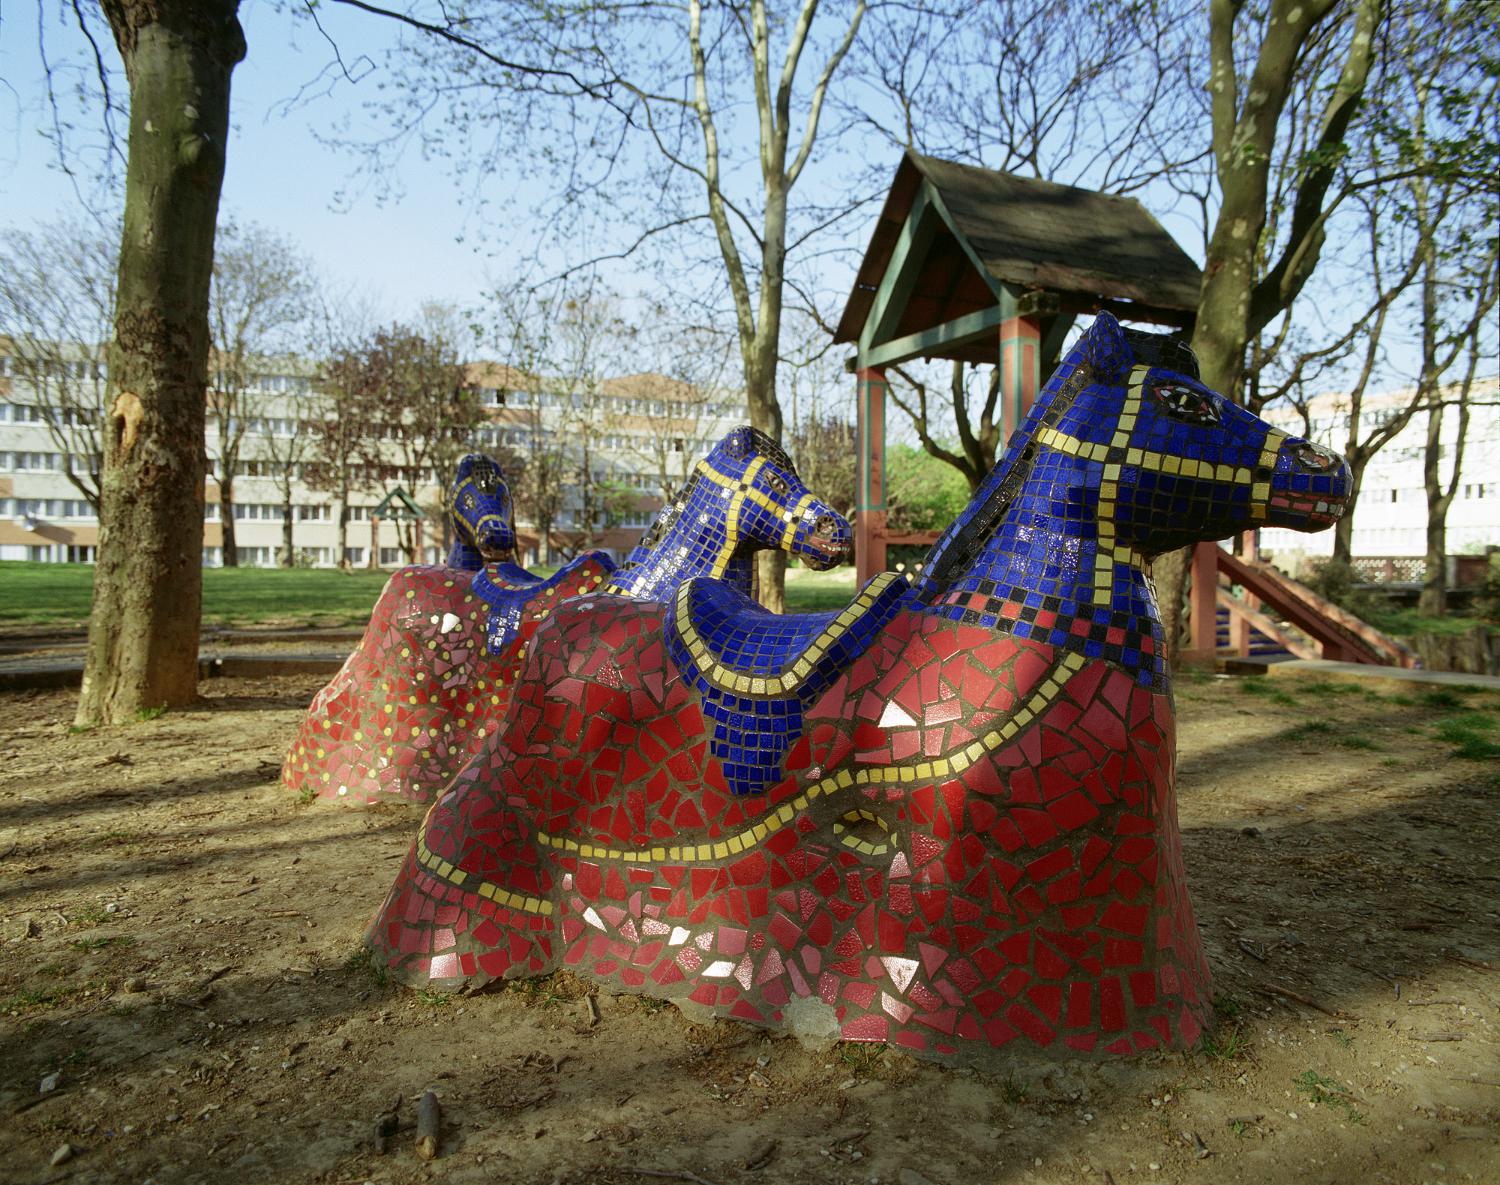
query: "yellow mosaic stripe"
727, 679
944, 767
487, 889
854, 843
793, 516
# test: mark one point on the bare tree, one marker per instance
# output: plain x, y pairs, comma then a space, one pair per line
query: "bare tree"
1072, 91
821, 435
284, 444
142, 648
671, 84
1260, 57
262, 298
344, 453
57, 299
1248, 99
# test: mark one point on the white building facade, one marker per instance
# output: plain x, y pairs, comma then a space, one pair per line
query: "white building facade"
636, 430
1390, 515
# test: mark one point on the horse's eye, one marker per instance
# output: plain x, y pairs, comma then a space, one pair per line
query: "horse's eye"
1185, 402
778, 484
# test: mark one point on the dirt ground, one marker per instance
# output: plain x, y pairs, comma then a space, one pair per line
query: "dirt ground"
179, 971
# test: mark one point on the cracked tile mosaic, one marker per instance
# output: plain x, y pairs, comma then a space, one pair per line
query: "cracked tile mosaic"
431, 679
941, 819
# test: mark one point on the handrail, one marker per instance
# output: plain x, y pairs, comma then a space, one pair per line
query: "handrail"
1265, 625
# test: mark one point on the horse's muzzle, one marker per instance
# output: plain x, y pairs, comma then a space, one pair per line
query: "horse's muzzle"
829, 539
1310, 487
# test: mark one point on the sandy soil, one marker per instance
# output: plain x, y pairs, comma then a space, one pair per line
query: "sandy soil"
178, 964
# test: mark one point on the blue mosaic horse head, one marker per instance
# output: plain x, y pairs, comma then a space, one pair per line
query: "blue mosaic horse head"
1125, 455
744, 496
483, 515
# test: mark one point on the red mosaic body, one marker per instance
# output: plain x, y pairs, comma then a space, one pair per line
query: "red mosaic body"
419, 696
1038, 895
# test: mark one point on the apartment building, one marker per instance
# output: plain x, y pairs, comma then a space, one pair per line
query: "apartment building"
615, 444
1390, 515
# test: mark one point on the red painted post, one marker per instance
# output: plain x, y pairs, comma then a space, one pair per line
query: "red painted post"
869, 492
1020, 360
1203, 606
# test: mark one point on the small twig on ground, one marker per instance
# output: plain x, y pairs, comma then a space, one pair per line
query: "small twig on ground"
1249, 948
1430, 1003
1455, 957
1288, 994
1436, 1036
672, 1175
429, 1122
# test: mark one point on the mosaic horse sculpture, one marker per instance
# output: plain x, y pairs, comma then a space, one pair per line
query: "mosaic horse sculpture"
429, 682
943, 818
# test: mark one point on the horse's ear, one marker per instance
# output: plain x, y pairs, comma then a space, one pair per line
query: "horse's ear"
739, 444
1108, 349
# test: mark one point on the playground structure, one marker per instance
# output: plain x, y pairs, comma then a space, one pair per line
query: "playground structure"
942, 818
979, 266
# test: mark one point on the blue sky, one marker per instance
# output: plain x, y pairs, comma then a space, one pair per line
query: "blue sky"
403, 247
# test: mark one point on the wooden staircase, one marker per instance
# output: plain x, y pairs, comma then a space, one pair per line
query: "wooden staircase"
1269, 602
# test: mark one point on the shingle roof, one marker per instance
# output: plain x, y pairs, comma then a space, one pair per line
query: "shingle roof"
1036, 235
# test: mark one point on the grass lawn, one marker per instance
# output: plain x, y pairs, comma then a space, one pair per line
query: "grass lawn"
58, 594
1404, 621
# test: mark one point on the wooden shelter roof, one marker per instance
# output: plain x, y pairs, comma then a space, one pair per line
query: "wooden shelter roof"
1089, 248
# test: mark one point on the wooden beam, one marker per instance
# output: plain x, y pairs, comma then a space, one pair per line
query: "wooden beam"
960, 331
901, 272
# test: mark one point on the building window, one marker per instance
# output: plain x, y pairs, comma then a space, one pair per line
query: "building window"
390, 556
315, 514
354, 556
257, 511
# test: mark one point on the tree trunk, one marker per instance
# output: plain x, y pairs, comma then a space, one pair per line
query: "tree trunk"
288, 556
1343, 529
765, 414
1169, 576
148, 581
226, 519
1434, 600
